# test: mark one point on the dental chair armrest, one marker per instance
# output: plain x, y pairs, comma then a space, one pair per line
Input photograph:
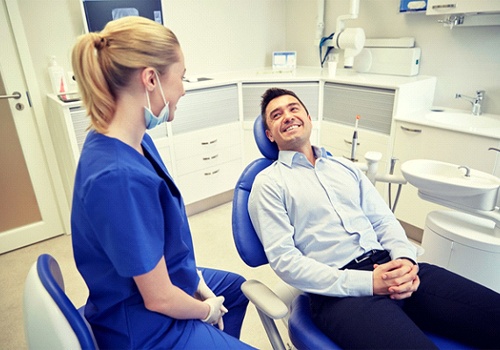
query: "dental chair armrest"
264, 299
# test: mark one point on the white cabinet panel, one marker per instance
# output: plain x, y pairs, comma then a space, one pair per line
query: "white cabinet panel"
413, 141
342, 103
205, 108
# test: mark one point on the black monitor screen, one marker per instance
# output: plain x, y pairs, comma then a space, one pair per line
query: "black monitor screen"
100, 12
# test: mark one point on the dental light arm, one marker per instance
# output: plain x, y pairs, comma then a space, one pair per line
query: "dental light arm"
351, 40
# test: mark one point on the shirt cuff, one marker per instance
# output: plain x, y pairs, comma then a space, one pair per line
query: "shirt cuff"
360, 283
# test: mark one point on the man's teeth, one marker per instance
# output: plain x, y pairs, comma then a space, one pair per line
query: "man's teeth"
292, 127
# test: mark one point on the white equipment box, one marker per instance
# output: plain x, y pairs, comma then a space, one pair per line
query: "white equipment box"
387, 60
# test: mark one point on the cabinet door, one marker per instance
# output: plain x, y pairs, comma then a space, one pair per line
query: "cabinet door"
342, 103
413, 141
204, 108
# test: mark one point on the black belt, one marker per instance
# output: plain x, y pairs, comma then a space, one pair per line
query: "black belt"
365, 256
373, 254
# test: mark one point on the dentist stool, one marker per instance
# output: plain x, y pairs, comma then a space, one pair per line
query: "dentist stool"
290, 305
51, 321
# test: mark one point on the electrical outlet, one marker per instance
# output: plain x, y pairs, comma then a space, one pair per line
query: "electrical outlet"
72, 85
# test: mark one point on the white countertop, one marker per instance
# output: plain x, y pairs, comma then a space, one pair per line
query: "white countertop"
420, 119
302, 74
316, 74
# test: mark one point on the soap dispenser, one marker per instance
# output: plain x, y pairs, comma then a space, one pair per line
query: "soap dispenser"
57, 77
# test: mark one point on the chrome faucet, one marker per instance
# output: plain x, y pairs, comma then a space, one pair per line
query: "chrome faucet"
467, 170
475, 101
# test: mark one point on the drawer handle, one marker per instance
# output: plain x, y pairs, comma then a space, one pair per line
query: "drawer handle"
204, 143
212, 157
350, 142
211, 173
411, 130
444, 6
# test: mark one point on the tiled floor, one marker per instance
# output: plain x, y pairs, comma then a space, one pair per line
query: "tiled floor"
214, 247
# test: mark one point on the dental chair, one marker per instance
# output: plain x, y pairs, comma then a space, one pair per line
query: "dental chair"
285, 303
51, 321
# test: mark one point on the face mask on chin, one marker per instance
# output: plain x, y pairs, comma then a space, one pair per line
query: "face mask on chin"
150, 119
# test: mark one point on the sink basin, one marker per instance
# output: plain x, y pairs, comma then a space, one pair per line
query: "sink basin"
447, 184
464, 119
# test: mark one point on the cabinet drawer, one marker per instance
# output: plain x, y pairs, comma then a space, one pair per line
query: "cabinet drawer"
208, 161
209, 182
206, 142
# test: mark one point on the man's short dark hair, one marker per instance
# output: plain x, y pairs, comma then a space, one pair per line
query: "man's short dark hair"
270, 95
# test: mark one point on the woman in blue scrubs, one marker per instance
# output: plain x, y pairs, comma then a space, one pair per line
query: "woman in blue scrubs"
131, 237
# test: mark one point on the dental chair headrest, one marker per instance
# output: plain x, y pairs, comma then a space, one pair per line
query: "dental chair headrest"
266, 147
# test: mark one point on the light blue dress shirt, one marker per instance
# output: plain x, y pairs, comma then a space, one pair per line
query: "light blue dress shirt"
314, 219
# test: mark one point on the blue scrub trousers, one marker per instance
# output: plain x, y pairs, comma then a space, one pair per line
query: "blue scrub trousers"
205, 336
445, 304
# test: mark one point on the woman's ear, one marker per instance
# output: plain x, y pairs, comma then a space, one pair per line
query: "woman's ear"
148, 78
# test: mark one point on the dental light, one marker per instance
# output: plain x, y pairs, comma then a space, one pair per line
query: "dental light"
351, 40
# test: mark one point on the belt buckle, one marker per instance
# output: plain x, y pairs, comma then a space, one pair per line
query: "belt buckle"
363, 257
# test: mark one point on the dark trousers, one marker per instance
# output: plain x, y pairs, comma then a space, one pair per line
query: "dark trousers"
445, 304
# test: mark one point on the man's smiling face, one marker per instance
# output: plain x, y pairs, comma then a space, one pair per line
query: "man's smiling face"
288, 123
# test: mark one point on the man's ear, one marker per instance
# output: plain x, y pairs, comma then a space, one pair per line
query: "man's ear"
269, 136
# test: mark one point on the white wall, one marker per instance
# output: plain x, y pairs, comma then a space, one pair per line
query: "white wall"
463, 60
216, 35
222, 35
219, 35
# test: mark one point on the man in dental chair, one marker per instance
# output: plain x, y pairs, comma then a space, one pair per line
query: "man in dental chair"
327, 231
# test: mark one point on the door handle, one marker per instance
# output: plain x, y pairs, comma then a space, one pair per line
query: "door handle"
16, 95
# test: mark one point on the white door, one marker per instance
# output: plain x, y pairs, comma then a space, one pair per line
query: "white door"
28, 207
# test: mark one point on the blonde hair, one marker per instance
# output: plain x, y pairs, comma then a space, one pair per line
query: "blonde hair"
104, 62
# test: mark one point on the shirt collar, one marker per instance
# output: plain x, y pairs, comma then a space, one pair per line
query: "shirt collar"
288, 157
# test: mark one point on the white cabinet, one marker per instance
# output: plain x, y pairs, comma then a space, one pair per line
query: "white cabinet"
463, 244
208, 161
68, 125
207, 142
414, 141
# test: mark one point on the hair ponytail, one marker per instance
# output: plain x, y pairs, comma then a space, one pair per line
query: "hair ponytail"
92, 83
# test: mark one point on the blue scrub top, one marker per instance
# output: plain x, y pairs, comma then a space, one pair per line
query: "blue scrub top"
127, 213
